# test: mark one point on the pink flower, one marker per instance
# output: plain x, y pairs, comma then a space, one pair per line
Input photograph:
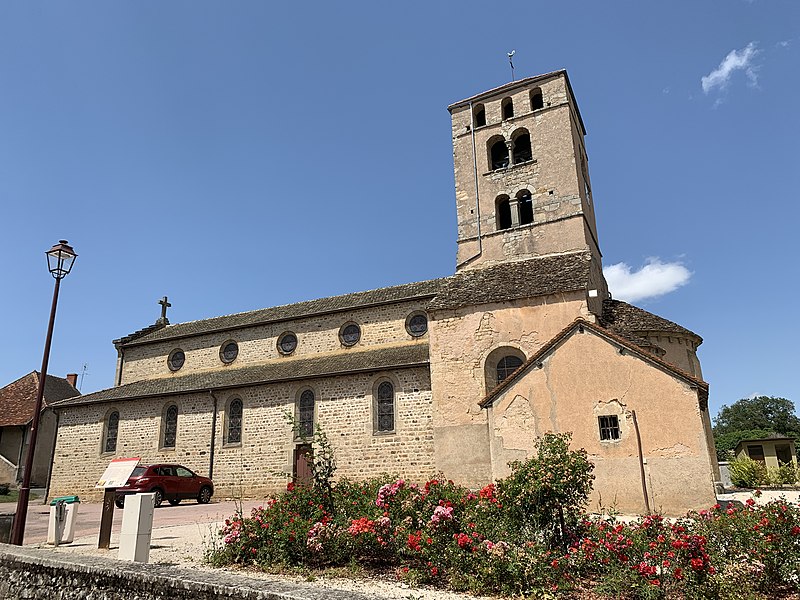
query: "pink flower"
442, 513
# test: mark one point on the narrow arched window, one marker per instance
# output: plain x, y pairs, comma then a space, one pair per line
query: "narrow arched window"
537, 101
384, 408
503, 217
508, 108
480, 115
525, 207
506, 366
305, 413
233, 429
112, 429
499, 154
522, 147
170, 426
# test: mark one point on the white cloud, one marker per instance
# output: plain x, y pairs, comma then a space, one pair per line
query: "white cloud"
737, 60
654, 279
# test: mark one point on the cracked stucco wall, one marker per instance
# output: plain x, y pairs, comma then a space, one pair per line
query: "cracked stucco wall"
586, 377
460, 342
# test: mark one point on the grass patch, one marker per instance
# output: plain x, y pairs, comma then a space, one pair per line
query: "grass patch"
13, 496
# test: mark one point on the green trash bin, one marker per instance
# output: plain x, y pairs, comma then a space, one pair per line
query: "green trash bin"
63, 512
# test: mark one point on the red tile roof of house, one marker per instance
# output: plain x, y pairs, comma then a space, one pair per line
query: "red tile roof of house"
18, 399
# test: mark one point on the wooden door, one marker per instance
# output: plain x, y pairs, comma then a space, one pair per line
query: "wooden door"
303, 459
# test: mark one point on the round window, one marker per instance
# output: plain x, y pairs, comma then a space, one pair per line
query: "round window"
349, 334
417, 324
229, 351
287, 343
176, 359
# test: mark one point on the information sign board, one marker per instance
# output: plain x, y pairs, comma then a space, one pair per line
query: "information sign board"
117, 472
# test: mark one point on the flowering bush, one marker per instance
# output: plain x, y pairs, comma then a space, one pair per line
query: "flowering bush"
485, 541
545, 495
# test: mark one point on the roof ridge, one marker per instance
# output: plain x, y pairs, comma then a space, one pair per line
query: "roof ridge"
599, 329
282, 312
288, 304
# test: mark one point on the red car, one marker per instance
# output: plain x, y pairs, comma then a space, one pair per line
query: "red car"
171, 482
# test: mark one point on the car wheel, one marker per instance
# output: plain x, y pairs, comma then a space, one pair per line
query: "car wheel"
120, 502
158, 498
204, 497
174, 501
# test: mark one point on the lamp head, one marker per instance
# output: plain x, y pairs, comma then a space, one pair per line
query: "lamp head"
60, 258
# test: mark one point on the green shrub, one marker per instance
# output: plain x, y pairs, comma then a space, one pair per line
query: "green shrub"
4, 489
787, 473
747, 473
545, 495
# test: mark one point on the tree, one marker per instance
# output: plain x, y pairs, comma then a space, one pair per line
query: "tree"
751, 418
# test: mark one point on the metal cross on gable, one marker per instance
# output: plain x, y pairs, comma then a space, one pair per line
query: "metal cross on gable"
164, 306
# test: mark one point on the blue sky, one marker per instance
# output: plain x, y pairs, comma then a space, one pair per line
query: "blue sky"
237, 155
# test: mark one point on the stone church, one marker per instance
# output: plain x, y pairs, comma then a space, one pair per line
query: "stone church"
457, 375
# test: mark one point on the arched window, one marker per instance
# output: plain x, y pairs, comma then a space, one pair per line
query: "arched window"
498, 153
537, 101
480, 115
384, 407
233, 422
500, 364
506, 366
525, 207
522, 146
508, 108
170, 426
305, 414
503, 218
112, 429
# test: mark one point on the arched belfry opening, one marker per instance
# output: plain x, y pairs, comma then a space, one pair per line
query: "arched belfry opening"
522, 146
508, 108
479, 112
498, 153
525, 207
537, 100
503, 212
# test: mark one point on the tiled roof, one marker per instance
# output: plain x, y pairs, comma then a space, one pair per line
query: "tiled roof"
289, 369
536, 358
387, 295
624, 318
18, 399
513, 281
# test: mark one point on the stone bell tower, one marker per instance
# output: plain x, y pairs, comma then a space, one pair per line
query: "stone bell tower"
521, 174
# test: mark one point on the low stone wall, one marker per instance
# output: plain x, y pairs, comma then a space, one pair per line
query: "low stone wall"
42, 574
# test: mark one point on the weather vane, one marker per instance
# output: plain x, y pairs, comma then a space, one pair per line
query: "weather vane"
511, 62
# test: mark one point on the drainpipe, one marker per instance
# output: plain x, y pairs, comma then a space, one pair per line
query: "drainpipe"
477, 195
121, 361
641, 462
213, 437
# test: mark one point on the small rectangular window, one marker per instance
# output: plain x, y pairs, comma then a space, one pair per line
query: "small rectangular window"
609, 427
756, 452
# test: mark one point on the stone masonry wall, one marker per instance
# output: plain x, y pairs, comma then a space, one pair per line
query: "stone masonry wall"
42, 574
552, 177
254, 467
258, 344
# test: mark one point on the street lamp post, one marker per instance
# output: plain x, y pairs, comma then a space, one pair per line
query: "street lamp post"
59, 261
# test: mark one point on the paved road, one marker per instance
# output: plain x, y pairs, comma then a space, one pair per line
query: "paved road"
88, 518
